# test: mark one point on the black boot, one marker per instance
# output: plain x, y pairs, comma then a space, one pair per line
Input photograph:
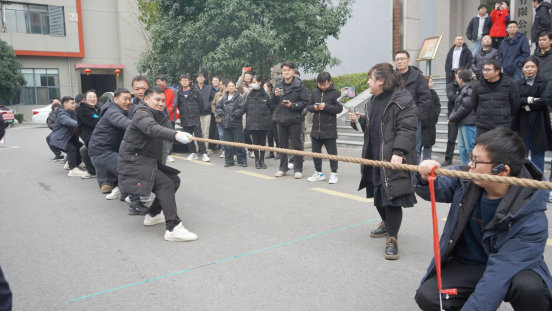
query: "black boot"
277, 157
380, 232
270, 155
263, 165
257, 164
392, 248
137, 208
446, 163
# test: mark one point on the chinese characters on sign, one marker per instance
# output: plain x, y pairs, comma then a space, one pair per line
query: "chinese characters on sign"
523, 14
397, 25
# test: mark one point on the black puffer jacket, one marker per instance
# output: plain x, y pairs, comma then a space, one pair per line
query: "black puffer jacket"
452, 92
479, 60
231, 111
494, 109
324, 123
545, 63
463, 113
109, 132
473, 27
142, 151
541, 23
190, 107
417, 86
51, 121
466, 58
87, 118
65, 128
258, 109
429, 132
207, 96
297, 94
399, 124
537, 119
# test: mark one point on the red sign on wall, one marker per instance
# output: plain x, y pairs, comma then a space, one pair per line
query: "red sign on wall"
397, 26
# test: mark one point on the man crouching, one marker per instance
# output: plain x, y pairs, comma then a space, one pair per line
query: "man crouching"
141, 165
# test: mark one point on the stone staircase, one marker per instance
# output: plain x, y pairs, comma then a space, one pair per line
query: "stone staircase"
349, 138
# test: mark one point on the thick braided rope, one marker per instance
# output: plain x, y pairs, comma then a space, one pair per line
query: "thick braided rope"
523, 182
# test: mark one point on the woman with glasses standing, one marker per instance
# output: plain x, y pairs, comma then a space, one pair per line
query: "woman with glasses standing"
532, 121
259, 117
231, 109
389, 127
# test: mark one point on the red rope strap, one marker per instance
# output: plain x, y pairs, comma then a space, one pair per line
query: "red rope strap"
436, 247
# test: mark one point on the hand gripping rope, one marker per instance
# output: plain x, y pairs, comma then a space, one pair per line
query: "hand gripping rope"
436, 246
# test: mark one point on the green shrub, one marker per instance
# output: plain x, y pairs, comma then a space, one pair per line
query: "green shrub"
19, 117
358, 80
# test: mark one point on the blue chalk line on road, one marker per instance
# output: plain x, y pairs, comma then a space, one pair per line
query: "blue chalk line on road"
220, 261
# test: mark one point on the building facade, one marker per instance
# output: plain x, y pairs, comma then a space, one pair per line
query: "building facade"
57, 40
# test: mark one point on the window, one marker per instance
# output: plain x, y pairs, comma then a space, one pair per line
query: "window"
34, 19
42, 85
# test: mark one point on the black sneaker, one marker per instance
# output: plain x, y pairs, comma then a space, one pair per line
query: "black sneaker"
244, 164
392, 248
58, 157
228, 164
137, 208
380, 232
258, 164
277, 157
122, 197
270, 155
263, 165
446, 163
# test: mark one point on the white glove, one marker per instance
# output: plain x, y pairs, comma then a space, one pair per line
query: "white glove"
182, 137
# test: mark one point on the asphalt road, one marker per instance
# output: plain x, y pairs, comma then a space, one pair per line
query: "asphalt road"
264, 243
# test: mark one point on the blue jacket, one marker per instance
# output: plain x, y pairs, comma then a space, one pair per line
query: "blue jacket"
512, 53
514, 239
64, 129
109, 131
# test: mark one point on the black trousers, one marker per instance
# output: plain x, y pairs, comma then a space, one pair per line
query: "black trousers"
273, 136
87, 161
451, 141
73, 154
479, 131
107, 162
213, 131
55, 150
293, 132
196, 131
5, 293
393, 216
247, 137
165, 187
259, 138
331, 148
496, 41
173, 123
527, 291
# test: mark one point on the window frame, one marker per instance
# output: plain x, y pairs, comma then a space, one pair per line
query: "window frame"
28, 11
36, 84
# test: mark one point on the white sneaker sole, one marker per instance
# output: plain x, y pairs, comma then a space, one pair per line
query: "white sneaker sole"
316, 179
176, 239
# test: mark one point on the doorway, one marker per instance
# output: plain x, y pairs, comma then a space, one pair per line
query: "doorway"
101, 83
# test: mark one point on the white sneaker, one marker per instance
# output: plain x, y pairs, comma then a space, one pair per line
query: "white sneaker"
291, 166
170, 159
180, 234
191, 157
209, 151
252, 154
66, 166
205, 158
114, 195
298, 175
87, 176
318, 176
235, 158
150, 221
222, 155
76, 172
333, 178
280, 174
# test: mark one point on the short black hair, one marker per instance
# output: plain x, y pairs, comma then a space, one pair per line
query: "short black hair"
153, 89
538, 1
80, 97
162, 77
297, 72
121, 90
496, 64
90, 91
504, 147
224, 81
546, 33
65, 99
56, 105
404, 52
257, 78
288, 64
53, 98
481, 6
323, 77
184, 76
465, 75
512, 22
200, 74
216, 77
531, 59
140, 78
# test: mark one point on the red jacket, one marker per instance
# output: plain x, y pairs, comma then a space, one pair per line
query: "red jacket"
499, 19
169, 98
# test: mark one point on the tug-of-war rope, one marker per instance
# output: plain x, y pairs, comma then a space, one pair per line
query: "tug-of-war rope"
523, 182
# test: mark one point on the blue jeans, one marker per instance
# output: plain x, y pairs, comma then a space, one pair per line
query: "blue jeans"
518, 75
221, 134
426, 152
475, 46
235, 135
536, 157
466, 142
419, 139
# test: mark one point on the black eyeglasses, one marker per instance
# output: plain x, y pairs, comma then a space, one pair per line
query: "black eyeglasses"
476, 162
